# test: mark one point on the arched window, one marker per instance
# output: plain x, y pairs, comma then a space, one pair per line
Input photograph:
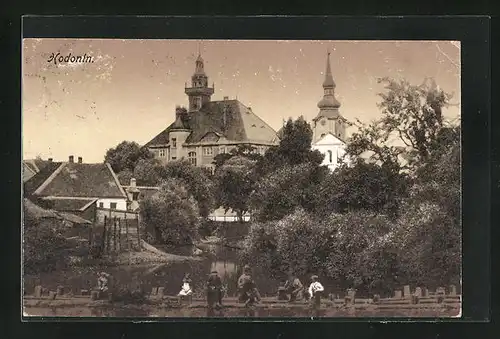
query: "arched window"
192, 158
330, 156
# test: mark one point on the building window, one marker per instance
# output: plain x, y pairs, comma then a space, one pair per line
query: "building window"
174, 158
174, 142
330, 156
112, 205
192, 158
207, 150
222, 150
135, 196
162, 153
101, 205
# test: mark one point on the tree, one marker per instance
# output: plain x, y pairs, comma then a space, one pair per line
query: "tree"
281, 191
294, 148
410, 113
44, 249
365, 186
125, 176
195, 179
236, 179
147, 172
242, 150
171, 215
126, 155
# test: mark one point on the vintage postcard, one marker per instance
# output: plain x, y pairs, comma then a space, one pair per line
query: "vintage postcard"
241, 178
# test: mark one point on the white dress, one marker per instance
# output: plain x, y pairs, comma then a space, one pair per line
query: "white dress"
186, 289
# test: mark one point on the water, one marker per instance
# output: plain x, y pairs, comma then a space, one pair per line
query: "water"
169, 276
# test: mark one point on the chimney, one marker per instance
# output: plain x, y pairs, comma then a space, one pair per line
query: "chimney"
132, 182
50, 159
80, 160
71, 159
226, 98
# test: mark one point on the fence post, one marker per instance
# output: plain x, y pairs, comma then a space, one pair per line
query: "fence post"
114, 234
104, 236
120, 234
138, 232
126, 234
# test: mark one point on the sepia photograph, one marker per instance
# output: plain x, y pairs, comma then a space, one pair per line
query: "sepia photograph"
241, 178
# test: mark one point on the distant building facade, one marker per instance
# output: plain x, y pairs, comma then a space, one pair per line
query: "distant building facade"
329, 126
207, 128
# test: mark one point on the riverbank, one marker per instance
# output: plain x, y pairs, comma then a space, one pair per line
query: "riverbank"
172, 307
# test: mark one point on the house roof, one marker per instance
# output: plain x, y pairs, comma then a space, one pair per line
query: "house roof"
39, 178
75, 180
39, 212
229, 118
74, 218
28, 172
70, 204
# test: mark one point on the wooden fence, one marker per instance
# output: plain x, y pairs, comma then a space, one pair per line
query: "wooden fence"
118, 234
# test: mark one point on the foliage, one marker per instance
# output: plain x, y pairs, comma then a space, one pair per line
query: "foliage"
330, 247
243, 150
430, 245
410, 113
235, 181
294, 148
170, 216
362, 186
147, 172
126, 155
196, 181
44, 249
125, 176
283, 190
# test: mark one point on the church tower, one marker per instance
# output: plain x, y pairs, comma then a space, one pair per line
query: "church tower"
328, 119
199, 93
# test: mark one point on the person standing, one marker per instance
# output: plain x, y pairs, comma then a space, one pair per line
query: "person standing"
214, 290
315, 292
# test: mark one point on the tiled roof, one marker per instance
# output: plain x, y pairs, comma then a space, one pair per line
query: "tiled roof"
74, 218
38, 179
28, 172
229, 118
70, 204
76, 180
39, 212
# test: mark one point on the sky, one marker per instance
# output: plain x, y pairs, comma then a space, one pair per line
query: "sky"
130, 90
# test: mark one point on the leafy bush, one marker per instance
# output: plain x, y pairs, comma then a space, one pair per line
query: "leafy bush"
171, 216
44, 249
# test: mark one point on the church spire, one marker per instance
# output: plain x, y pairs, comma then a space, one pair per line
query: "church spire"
329, 102
328, 83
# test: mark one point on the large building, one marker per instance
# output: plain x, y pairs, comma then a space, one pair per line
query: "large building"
329, 126
207, 128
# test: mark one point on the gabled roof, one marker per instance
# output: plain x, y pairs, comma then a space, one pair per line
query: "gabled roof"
75, 180
28, 172
39, 178
39, 212
229, 118
70, 204
329, 139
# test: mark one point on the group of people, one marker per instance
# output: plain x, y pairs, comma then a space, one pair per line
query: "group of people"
248, 292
